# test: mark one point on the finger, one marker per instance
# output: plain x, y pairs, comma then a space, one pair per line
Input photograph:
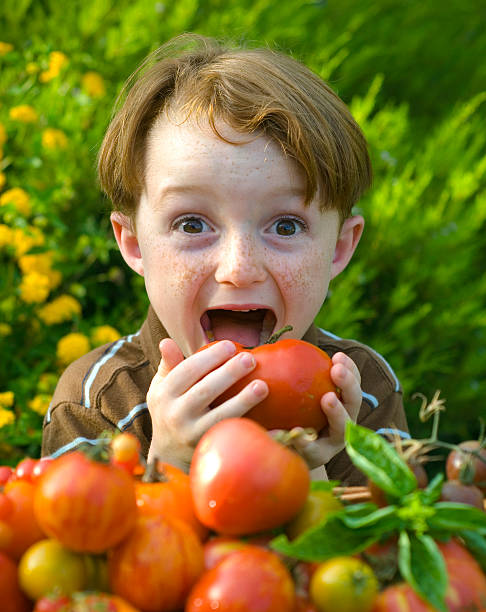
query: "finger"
198, 365
349, 385
171, 355
237, 406
336, 414
345, 360
203, 393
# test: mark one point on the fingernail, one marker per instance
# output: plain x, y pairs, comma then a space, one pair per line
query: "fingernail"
247, 360
229, 347
259, 389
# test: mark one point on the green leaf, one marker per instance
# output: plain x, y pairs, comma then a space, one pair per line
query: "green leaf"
422, 565
323, 485
333, 538
376, 458
432, 492
476, 544
452, 516
371, 518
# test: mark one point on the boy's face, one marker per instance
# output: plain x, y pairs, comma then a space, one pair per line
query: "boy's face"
224, 241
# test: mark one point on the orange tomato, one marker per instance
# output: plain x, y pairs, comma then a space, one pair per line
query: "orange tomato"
170, 496
157, 564
25, 529
87, 505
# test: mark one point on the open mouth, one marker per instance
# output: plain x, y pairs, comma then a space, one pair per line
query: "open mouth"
248, 327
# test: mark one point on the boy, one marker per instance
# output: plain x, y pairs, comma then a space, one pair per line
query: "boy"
232, 173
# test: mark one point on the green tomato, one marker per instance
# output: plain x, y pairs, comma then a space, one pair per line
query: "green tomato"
317, 507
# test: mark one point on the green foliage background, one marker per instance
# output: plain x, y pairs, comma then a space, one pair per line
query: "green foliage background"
414, 75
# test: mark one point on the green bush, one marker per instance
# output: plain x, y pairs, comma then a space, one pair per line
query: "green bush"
413, 74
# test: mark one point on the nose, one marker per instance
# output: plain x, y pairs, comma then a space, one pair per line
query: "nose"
240, 261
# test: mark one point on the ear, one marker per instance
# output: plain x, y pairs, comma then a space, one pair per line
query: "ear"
127, 241
347, 242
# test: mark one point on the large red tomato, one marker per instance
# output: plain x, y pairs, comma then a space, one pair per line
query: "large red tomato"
243, 481
169, 494
157, 564
249, 580
86, 505
11, 597
297, 374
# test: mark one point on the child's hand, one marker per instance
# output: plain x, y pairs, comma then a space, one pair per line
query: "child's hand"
346, 376
182, 391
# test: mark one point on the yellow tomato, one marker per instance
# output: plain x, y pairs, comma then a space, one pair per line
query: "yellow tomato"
346, 584
47, 567
316, 508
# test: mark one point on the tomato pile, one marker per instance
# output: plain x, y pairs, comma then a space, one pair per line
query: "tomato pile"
244, 531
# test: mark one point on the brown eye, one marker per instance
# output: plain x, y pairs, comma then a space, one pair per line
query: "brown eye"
191, 225
286, 227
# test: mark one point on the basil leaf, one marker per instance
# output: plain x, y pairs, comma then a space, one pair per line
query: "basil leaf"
422, 565
362, 509
476, 545
329, 539
371, 518
453, 516
376, 458
433, 490
323, 485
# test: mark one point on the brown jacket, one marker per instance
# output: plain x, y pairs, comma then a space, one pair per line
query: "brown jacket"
106, 389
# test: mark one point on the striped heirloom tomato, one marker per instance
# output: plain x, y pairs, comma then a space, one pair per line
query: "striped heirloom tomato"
87, 505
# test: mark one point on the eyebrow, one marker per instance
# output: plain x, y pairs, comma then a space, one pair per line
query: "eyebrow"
279, 191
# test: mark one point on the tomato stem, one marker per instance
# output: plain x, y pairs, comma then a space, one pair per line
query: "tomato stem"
99, 451
276, 336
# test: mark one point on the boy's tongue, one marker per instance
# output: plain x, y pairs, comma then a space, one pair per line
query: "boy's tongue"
242, 327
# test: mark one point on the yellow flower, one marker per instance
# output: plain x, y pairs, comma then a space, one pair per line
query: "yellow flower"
6, 417
63, 308
6, 399
93, 84
53, 139
104, 334
19, 198
3, 135
3, 178
34, 287
23, 113
5, 48
5, 329
41, 263
23, 240
72, 347
57, 60
6, 235
40, 403
38, 262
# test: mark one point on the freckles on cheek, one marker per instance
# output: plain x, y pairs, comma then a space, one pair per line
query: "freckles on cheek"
306, 279
182, 277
